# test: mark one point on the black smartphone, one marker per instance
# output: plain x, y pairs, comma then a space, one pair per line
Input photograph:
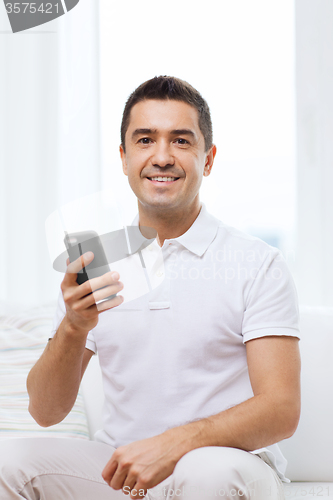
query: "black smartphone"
87, 241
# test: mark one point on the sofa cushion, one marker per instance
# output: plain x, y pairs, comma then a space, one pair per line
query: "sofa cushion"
23, 338
310, 450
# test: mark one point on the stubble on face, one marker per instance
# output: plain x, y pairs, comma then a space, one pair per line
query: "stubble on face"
164, 139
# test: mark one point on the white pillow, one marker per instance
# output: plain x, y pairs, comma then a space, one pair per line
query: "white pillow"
23, 338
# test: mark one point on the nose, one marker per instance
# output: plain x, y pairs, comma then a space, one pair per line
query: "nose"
162, 154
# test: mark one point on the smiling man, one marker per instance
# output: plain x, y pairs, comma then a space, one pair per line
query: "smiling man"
165, 157
202, 374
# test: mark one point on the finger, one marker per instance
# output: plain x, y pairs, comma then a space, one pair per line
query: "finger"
113, 475
118, 479
107, 286
138, 492
77, 265
106, 291
89, 301
110, 304
109, 470
128, 485
110, 278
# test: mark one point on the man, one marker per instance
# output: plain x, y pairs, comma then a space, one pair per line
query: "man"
202, 376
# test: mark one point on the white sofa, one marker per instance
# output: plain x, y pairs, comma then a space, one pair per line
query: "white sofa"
310, 450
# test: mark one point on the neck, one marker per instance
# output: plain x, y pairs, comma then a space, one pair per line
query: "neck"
168, 224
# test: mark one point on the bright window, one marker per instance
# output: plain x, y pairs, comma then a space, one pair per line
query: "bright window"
240, 56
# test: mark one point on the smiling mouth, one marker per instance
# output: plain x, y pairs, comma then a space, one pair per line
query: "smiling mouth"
163, 179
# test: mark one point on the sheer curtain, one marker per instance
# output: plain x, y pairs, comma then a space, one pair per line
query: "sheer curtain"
314, 83
49, 143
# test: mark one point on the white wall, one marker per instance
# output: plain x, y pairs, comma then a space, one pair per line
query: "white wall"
314, 83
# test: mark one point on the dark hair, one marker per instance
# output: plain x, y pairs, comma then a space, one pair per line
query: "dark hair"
169, 87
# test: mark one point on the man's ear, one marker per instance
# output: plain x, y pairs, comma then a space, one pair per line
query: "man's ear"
123, 158
209, 160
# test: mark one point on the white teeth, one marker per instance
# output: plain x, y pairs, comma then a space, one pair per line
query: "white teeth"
163, 179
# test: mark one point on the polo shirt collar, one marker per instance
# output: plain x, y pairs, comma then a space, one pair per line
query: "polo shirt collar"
202, 232
199, 236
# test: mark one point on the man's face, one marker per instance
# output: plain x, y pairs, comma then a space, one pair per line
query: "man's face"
164, 141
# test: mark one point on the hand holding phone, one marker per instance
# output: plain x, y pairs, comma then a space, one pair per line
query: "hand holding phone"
80, 243
88, 241
82, 306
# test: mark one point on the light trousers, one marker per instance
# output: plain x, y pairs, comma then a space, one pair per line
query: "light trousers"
70, 469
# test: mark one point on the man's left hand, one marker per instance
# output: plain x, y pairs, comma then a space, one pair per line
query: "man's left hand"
144, 464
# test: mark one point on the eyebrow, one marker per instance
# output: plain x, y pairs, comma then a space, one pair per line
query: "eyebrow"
143, 131
182, 131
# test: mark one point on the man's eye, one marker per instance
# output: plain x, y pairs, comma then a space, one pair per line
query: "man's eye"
182, 141
144, 140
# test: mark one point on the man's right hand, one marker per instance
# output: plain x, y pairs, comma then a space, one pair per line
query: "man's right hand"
53, 382
80, 300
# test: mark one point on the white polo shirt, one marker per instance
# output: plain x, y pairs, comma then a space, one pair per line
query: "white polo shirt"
174, 350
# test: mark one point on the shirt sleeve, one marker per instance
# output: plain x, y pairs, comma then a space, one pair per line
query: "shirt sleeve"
271, 305
59, 316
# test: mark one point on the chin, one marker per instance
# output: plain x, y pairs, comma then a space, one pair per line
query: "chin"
158, 204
